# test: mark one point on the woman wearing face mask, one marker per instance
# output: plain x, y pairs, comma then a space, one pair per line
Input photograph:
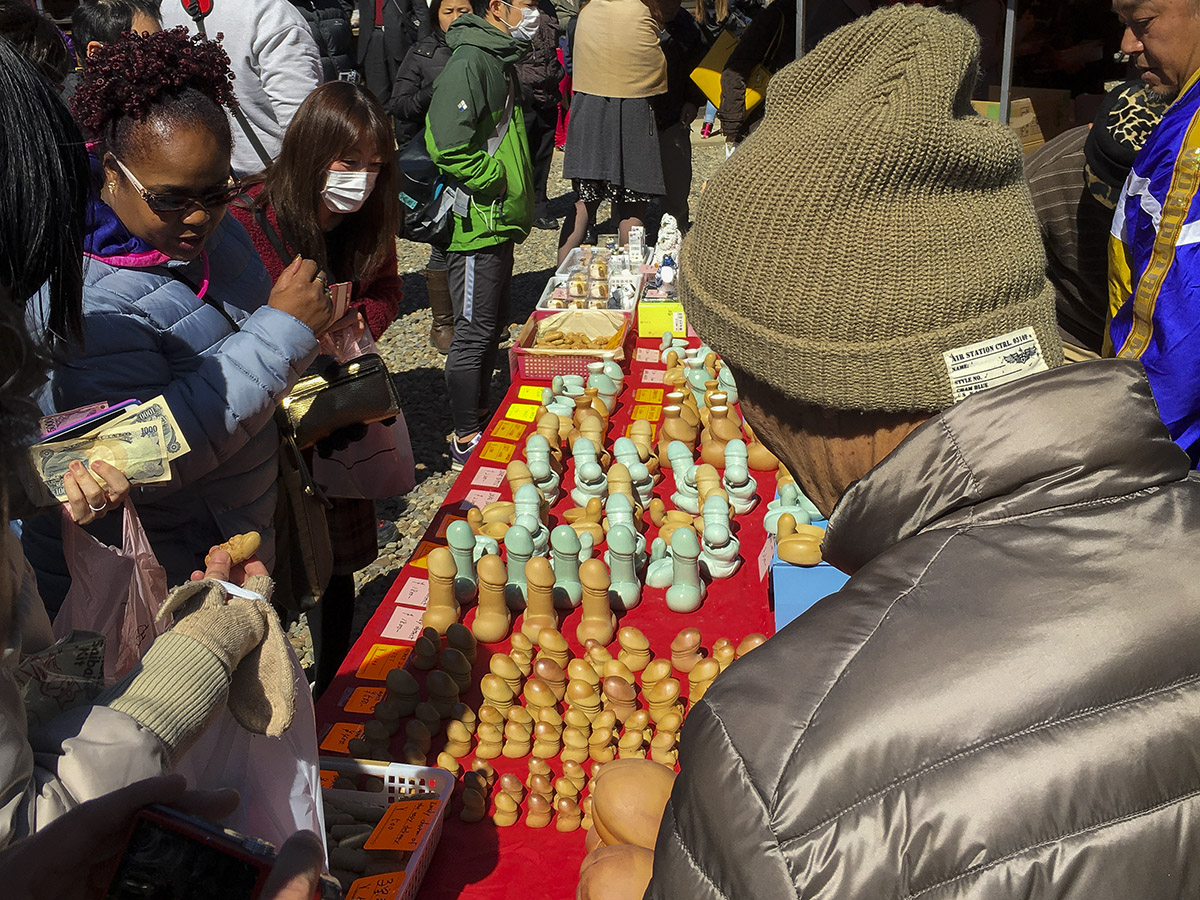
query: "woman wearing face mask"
612, 142
332, 196
176, 302
408, 104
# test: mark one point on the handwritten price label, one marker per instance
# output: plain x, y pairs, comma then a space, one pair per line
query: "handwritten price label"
530, 392
340, 735
489, 477
377, 887
653, 376
522, 412
403, 825
328, 777
380, 660
481, 499
508, 431
647, 354
497, 452
404, 625
363, 700
648, 412
764, 558
648, 395
414, 593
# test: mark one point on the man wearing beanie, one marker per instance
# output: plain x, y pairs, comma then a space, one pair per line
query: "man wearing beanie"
1154, 258
1003, 701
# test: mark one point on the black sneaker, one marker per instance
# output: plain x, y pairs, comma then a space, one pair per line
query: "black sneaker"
460, 453
387, 533
546, 223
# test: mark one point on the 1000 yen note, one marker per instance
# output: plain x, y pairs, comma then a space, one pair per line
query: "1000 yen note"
154, 410
139, 452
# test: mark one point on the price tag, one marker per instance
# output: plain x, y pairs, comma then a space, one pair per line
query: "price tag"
648, 412
678, 322
530, 392
522, 412
380, 660
403, 825
328, 777
508, 431
340, 735
764, 558
414, 593
653, 430
404, 625
648, 395
446, 522
489, 477
653, 376
363, 700
647, 354
377, 887
481, 499
497, 452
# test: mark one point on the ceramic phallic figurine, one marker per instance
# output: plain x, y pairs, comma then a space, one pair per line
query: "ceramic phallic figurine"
539, 597
564, 549
606, 387
727, 384
620, 512
462, 547
686, 496
518, 544
613, 370
589, 477
587, 545
625, 588
541, 468
790, 500
719, 551
740, 486
687, 590
492, 619
659, 570
598, 622
528, 505
442, 609
669, 343
720, 431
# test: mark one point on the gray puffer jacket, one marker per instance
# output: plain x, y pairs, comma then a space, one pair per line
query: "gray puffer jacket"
146, 332
1002, 702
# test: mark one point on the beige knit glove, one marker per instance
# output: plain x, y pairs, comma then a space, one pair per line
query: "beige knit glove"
248, 638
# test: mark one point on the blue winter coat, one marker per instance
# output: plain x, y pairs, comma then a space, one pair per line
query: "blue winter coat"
146, 333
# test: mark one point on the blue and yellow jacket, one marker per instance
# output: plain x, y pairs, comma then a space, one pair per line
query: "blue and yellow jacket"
1154, 268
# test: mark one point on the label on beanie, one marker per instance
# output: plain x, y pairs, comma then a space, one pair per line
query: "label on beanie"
991, 363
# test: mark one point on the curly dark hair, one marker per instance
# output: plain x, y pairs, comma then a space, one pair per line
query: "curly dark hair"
161, 79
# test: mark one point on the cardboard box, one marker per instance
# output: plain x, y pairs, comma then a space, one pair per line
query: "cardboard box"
656, 317
1035, 114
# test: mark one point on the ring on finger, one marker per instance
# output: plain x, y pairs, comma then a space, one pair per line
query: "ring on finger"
103, 506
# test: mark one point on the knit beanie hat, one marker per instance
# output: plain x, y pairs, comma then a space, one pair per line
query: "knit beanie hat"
873, 245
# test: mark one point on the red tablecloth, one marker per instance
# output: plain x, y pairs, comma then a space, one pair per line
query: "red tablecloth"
480, 860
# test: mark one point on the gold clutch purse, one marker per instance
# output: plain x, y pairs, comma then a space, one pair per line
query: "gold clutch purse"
333, 395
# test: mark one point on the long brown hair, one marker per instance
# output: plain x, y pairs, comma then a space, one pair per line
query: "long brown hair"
333, 119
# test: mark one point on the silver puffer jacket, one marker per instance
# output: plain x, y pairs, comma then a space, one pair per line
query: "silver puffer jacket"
1002, 702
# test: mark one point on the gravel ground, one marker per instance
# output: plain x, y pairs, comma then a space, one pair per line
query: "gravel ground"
417, 369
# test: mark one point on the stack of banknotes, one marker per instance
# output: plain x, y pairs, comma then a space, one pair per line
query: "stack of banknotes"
141, 442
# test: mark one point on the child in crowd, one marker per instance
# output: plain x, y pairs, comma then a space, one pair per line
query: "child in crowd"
340, 140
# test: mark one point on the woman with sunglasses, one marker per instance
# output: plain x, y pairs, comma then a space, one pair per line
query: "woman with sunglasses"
176, 302
332, 197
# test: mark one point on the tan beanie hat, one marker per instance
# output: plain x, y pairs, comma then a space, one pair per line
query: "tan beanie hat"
873, 245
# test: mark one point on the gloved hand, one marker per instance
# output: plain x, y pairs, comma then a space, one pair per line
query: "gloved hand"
247, 636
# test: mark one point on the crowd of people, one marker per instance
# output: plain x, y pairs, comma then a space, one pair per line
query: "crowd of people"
1001, 701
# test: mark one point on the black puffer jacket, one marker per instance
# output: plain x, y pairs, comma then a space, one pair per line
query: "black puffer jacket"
539, 70
329, 22
1003, 703
413, 89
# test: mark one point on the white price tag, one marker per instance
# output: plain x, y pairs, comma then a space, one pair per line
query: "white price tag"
404, 625
764, 558
414, 593
489, 477
481, 499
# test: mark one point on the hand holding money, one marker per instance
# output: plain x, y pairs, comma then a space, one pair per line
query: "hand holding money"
87, 500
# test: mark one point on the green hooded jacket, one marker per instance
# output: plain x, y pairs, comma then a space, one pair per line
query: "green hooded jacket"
469, 98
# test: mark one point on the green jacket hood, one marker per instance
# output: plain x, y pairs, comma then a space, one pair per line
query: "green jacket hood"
469, 30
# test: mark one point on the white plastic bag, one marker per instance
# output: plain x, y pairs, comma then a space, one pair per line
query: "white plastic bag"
279, 779
381, 464
116, 592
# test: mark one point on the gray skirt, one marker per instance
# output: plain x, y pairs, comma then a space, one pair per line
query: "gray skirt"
615, 141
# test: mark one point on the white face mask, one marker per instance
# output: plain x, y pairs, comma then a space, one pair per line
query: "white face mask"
530, 19
346, 192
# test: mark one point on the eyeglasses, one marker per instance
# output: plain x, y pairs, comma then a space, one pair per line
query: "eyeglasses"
174, 203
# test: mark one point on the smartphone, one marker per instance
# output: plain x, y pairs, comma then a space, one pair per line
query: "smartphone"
340, 294
80, 427
173, 856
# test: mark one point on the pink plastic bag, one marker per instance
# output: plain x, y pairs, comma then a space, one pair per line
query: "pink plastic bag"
116, 592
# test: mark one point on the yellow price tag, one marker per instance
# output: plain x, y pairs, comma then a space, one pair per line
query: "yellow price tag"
509, 431
648, 395
522, 412
497, 452
530, 392
647, 412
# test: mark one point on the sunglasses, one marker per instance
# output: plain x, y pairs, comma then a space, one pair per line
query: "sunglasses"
174, 203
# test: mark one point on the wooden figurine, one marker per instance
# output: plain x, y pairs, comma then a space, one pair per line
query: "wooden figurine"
582, 696
443, 692
586, 519
502, 664
517, 741
492, 619
453, 662
723, 652
539, 610
663, 698
538, 694
600, 745
424, 655
598, 622
641, 433
575, 745
702, 675
658, 669
671, 722
663, 749
507, 811
635, 648
474, 807
460, 712
496, 692
553, 645
619, 669
673, 428
550, 716
632, 745
460, 638
427, 714
760, 458
538, 811
619, 696
686, 650
403, 688
547, 743
750, 642
547, 427
620, 482
552, 675
442, 609
458, 739
582, 670
523, 660
517, 474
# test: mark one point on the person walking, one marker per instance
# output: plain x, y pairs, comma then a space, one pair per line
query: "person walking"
475, 133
